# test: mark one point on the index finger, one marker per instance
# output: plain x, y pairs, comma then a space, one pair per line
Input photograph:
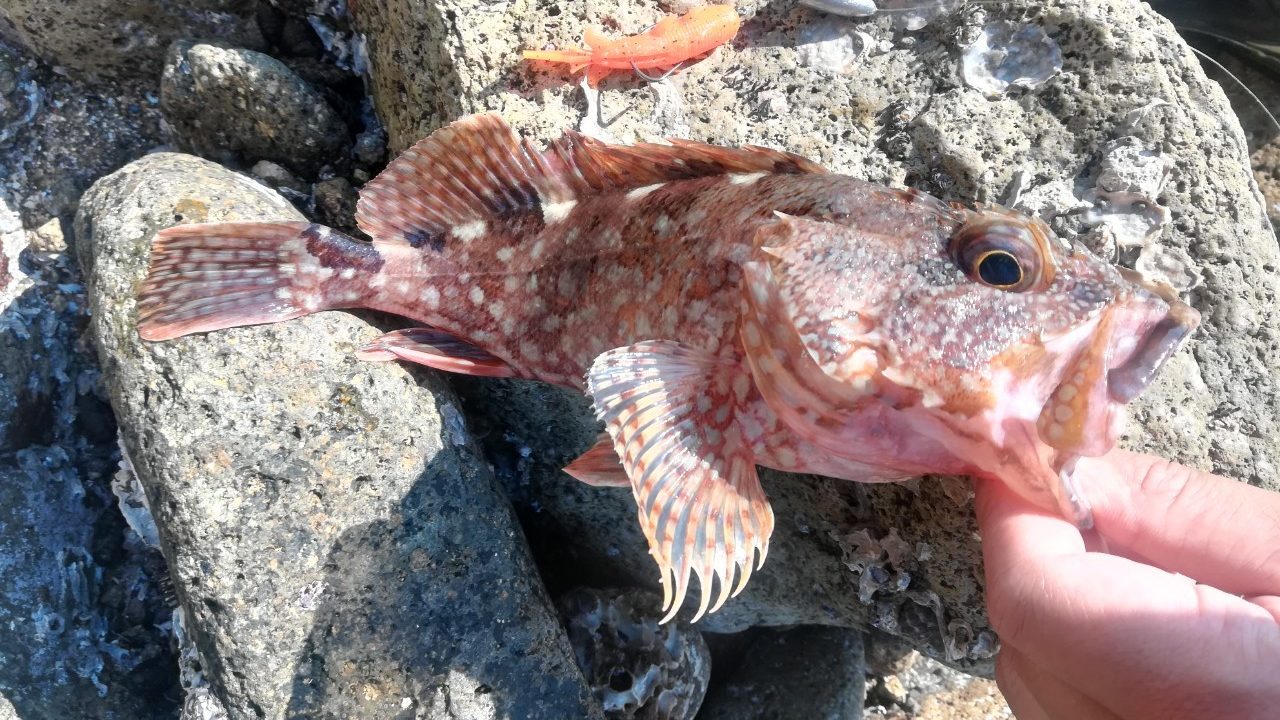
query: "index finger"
1221, 532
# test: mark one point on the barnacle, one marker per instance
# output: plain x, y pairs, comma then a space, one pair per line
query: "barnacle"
637, 667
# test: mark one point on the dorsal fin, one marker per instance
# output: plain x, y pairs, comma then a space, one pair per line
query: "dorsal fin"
476, 168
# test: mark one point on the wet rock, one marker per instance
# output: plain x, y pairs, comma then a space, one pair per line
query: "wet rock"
234, 105
336, 203
83, 616
636, 667
333, 553
115, 39
806, 672
75, 632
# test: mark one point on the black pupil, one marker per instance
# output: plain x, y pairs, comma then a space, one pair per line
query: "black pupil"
1000, 269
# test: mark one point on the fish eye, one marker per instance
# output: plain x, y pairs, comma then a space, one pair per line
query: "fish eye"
1002, 251
999, 269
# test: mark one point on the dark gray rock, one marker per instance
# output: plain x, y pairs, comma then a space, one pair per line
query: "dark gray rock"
337, 548
636, 667
122, 39
83, 613
52, 148
234, 105
82, 605
807, 673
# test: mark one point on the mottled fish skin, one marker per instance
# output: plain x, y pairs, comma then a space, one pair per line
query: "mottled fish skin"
724, 308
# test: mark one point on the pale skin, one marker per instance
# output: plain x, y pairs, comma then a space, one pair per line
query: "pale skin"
1179, 619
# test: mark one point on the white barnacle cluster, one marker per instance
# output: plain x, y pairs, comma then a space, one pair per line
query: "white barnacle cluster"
1125, 212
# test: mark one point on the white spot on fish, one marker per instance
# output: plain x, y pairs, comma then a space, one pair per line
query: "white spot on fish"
347, 273
476, 295
555, 212
662, 225
505, 254
642, 191
744, 178
470, 230
283, 293
431, 297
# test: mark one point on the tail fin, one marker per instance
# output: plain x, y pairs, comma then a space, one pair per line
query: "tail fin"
214, 276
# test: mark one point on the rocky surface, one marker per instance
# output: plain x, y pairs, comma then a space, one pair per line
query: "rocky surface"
806, 672
636, 667
896, 111
917, 688
239, 106
107, 38
83, 613
338, 549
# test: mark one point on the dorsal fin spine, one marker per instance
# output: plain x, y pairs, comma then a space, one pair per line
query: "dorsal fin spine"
478, 168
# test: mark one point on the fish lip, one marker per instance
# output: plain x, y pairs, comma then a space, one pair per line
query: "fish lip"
1127, 380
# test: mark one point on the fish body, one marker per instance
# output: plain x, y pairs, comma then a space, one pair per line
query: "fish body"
723, 308
670, 42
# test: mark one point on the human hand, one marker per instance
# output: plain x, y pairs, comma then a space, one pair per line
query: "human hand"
1180, 621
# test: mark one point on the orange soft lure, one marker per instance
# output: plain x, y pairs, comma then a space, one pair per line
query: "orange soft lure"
673, 40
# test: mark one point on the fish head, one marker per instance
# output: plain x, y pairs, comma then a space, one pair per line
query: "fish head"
954, 341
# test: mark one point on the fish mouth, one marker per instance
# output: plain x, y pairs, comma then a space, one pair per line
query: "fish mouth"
1154, 347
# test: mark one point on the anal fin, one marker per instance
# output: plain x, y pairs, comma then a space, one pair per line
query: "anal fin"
599, 466
672, 414
435, 349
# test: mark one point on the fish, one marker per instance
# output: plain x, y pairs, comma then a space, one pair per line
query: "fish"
723, 308
669, 43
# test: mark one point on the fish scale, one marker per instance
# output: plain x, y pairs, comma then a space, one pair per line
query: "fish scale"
723, 308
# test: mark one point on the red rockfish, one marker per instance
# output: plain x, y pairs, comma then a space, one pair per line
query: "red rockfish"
724, 308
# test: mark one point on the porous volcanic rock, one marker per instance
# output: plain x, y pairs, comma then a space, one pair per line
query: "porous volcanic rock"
230, 104
108, 38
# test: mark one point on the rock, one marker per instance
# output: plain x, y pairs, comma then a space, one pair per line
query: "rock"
235, 105
79, 616
636, 667
337, 549
83, 616
926, 690
807, 672
51, 148
114, 39
336, 203
277, 176
903, 118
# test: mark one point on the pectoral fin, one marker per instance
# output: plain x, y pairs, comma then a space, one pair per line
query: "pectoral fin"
672, 414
